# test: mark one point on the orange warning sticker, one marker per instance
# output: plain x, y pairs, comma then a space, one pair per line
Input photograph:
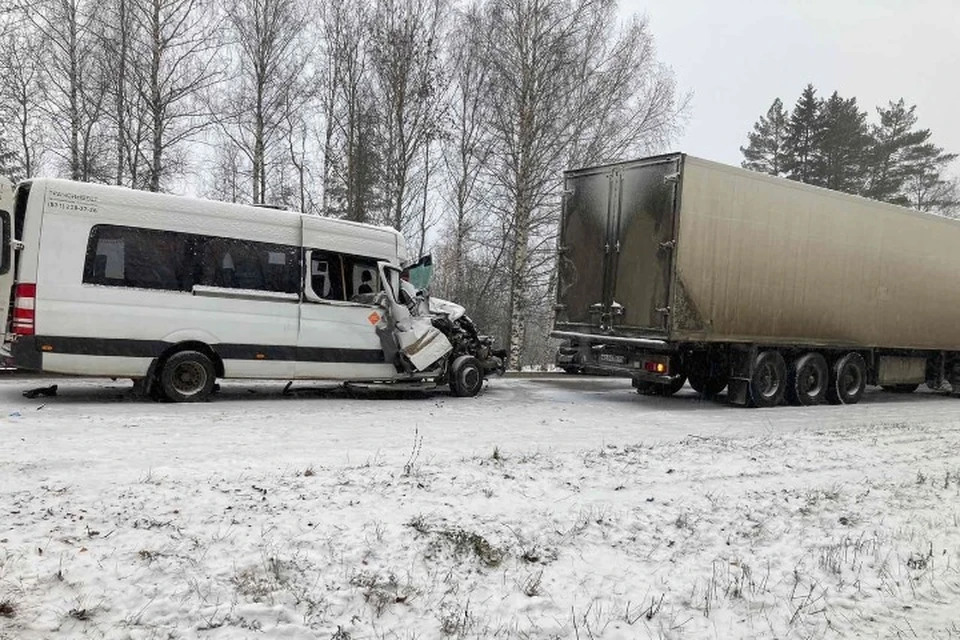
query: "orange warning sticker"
374, 318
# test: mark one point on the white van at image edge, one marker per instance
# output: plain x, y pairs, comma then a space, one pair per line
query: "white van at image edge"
174, 292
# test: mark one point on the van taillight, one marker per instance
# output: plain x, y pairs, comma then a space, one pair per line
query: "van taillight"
23, 308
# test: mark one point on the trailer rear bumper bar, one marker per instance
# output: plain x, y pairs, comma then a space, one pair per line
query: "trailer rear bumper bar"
645, 343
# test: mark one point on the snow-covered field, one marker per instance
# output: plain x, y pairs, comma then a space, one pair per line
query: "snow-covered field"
545, 508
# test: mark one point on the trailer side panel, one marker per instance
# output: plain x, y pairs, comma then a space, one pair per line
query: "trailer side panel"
765, 260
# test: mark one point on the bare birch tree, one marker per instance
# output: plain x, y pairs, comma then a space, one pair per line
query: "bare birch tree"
269, 77
21, 95
352, 161
404, 41
76, 88
173, 63
466, 153
229, 180
568, 86
117, 37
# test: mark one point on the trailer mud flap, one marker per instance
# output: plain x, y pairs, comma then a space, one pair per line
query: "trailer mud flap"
741, 373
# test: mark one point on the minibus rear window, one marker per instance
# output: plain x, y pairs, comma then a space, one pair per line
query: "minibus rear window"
5, 238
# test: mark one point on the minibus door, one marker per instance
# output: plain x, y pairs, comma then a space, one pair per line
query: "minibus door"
338, 337
7, 243
422, 343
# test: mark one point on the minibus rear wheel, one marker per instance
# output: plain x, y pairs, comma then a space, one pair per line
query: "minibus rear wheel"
187, 376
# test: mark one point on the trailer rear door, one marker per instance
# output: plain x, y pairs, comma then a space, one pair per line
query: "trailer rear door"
616, 247
583, 246
642, 246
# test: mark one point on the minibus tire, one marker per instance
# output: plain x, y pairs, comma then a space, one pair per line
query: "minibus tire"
466, 377
187, 376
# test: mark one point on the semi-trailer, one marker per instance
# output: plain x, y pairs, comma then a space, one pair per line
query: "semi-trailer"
673, 269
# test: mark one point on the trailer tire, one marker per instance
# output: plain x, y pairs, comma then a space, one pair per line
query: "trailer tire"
466, 377
670, 388
807, 380
187, 376
848, 379
901, 388
644, 387
708, 386
768, 382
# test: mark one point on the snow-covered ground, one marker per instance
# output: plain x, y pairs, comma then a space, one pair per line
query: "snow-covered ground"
545, 508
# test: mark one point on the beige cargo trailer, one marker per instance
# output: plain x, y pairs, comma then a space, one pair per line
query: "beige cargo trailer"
675, 268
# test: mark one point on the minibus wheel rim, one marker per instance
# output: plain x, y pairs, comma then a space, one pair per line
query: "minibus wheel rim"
189, 378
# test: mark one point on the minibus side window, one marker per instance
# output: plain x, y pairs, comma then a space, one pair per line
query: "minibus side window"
244, 264
326, 275
139, 258
361, 275
335, 276
173, 261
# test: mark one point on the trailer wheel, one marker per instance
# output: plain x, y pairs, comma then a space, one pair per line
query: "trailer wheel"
848, 379
807, 380
900, 388
671, 387
768, 383
466, 377
708, 386
644, 387
187, 376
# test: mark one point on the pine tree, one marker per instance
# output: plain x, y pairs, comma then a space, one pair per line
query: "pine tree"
893, 138
925, 187
767, 148
802, 134
841, 142
906, 168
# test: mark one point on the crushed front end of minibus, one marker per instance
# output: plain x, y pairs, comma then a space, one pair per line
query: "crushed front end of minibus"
427, 336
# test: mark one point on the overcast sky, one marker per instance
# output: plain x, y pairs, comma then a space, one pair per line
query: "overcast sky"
736, 56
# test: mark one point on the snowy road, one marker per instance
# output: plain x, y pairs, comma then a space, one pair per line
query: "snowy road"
94, 425
547, 507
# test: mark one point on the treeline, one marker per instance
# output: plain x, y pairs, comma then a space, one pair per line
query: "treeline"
830, 142
449, 121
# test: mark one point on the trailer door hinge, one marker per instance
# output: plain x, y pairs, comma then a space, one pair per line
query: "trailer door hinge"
669, 244
671, 178
606, 248
617, 246
664, 310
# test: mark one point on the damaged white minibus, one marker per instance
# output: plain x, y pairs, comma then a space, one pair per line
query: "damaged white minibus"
175, 292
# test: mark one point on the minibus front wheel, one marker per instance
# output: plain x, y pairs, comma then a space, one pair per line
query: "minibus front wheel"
187, 376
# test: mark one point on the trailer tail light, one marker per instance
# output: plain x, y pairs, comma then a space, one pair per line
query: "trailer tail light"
24, 314
655, 367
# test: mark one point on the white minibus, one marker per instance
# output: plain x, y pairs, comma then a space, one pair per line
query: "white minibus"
175, 292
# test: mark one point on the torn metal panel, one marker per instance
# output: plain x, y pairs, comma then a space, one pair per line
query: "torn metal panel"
423, 344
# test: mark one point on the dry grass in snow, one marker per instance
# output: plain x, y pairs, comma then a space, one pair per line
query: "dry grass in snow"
803, 535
